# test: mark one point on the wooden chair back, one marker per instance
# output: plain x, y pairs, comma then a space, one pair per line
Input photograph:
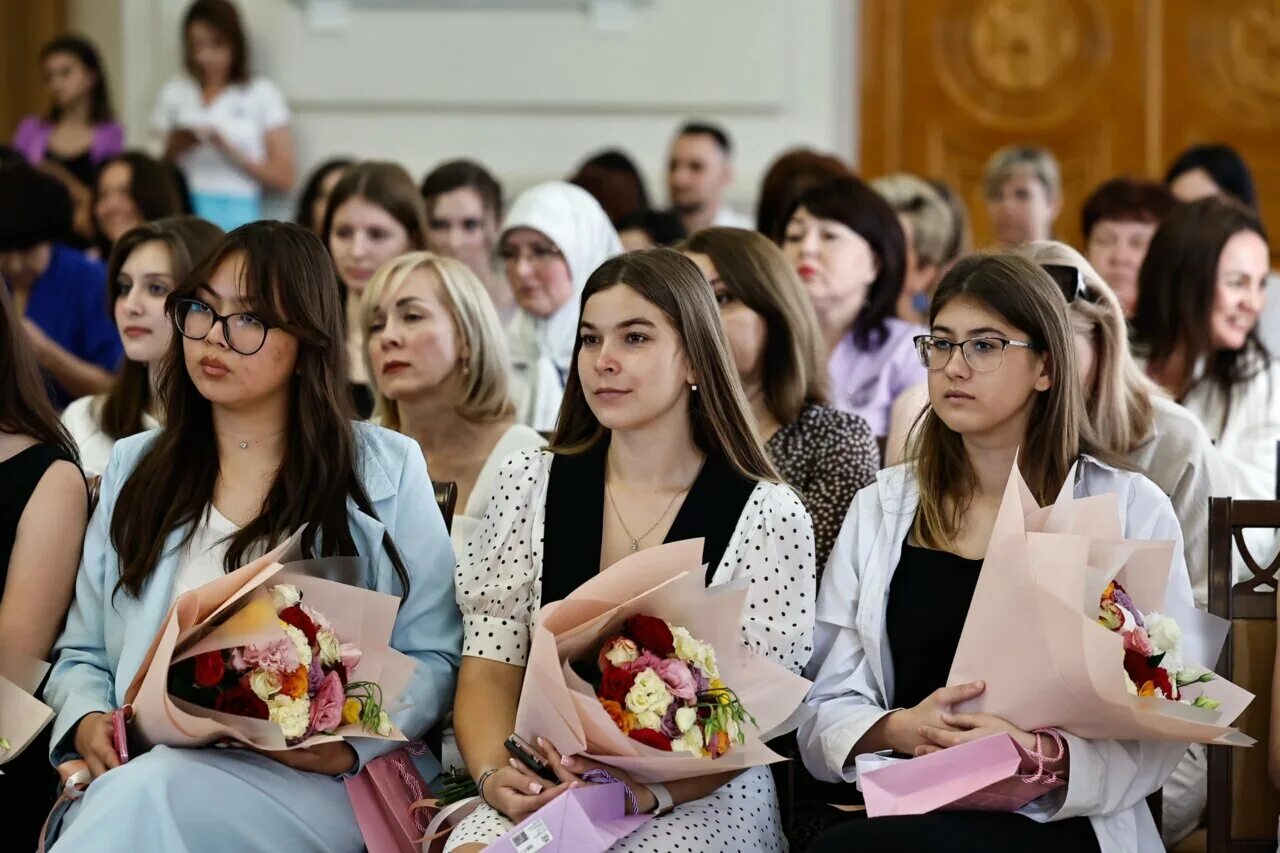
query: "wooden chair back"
1243, 805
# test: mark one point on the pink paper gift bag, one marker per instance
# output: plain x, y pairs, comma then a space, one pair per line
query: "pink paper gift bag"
981, 775
581, 820
382, 797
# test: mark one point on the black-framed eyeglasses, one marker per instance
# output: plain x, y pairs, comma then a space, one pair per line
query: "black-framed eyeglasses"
981, 354
1070, 281
245, 333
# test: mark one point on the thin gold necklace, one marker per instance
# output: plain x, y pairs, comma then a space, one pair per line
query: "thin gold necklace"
635, 540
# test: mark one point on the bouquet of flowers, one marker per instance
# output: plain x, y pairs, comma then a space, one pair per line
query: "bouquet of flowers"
1153, 664
631, 669
661, 686
304, 681
273, 660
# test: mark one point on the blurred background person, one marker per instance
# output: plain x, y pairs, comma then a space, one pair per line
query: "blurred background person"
646, 229
1023, 188
133, 188
929, 228
790, 173
615, 180
1118, 221
699, 172
319, 185
464, 207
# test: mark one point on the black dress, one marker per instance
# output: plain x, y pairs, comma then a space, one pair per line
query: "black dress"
29, 785
928, 601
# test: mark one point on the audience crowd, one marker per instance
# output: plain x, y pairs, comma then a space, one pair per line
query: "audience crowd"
831, 395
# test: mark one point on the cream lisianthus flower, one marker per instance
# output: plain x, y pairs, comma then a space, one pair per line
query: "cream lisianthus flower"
692, 651
284, 596
330, 648
291, 715
685, 718
648, 694
690, 741
265, 683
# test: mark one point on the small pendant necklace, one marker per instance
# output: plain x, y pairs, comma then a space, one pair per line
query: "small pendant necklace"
635, 540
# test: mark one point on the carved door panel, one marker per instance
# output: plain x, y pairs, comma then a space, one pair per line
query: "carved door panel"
947, 82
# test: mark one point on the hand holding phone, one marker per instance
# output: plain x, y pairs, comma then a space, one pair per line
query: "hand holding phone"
530, 757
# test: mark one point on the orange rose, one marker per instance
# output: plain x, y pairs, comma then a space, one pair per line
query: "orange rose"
622, 718
295, 683
719, 744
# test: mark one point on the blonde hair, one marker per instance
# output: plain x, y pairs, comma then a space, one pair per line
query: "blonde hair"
485, 365
1003, 163
932, 221
1119, 403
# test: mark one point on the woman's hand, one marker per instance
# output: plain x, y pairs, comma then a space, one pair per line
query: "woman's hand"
94, 743
518, 793
331, 759
569, 770
962, 728
905, 728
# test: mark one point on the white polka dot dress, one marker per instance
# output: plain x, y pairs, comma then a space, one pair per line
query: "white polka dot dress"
499, 588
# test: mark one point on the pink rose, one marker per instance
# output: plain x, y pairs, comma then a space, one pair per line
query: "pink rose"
647, 660
1138, 642
678, 678
351, 655
326, 705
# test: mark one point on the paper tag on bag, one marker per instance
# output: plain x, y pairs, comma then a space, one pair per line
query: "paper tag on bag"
531, 838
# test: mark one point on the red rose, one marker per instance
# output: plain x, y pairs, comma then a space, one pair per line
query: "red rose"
209, 669
1141, 672
615, 684
649, 737
650, 633
295, 617
241, 701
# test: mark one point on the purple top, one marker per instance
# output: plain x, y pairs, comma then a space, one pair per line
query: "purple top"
866, 381
32, 140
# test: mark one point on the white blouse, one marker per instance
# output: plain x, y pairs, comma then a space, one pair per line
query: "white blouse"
499, 574
83, 419
202, 557
466, 522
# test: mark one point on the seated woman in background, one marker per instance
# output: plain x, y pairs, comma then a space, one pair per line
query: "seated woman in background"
654, 443
554, 237
374, 215
909, 555
928, 226
440, 369
131, 189
791, 173
1200, 297
253, 383
80, 131
1023, 188
314, 201
146, 265
847, 245
44, 508
1118, 221
228, 131
649, 229
464, 207
57, 291
824, 454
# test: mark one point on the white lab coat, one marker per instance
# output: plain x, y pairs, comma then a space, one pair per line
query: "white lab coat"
852, 668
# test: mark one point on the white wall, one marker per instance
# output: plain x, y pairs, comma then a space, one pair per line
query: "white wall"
528, 92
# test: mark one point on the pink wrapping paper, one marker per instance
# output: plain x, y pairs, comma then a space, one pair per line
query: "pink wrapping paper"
1032, 633
22, 715
666, 582
235, 610
981, 775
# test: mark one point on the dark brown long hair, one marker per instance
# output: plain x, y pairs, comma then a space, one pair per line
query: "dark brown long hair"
1176, 286
755, 271
24, 401
221, 16
719, 416
187, 239
1023, 294
87, 55
289, 282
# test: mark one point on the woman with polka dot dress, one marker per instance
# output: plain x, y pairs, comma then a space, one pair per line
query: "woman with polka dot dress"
654, 443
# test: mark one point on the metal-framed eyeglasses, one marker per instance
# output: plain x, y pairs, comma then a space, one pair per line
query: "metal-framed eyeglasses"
983, 355
245, 333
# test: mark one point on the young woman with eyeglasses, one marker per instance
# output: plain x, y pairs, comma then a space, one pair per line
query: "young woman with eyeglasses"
258, 443
897, 588
553, 238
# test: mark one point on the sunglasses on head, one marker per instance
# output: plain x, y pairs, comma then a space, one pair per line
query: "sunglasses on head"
1070, 281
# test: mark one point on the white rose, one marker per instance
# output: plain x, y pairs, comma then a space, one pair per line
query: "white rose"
622, 651
685, 718
330, 648
284, 596
690, 741
299, 642
291, 715
264, 683
1166, 636
648, 694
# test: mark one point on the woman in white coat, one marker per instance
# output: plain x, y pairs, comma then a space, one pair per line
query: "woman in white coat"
900, 579
554, 237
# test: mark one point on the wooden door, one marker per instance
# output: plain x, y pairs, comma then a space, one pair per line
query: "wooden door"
947, 82
25, 27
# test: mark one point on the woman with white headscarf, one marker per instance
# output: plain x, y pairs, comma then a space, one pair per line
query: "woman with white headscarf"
554, 237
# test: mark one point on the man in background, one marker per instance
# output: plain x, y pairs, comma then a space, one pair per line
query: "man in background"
699, 170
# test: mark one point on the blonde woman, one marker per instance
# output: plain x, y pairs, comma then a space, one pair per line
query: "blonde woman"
929, 224
1023, 187
438, 362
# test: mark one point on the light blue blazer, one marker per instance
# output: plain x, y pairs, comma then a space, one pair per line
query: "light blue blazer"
107, 636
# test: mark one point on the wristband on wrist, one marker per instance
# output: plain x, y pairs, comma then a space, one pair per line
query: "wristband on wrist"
484, 777
662, 798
